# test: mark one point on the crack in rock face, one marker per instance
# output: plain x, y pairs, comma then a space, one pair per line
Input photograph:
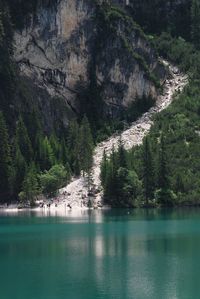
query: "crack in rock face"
60, 47
76, 192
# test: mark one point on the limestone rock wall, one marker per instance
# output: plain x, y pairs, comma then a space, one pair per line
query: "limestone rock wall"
58, 47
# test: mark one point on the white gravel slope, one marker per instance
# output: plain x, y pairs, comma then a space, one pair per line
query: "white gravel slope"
76, 193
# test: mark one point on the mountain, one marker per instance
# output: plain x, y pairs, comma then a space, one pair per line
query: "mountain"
89, 54
73, 72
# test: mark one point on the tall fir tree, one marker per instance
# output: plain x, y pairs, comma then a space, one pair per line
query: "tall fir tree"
20, 167
122, 154
111, 185
163, 170
104, 168
23, 140
148, 173
46, 155
63, 153
86, 146
30, 187
195, 23
5, 161
73, 145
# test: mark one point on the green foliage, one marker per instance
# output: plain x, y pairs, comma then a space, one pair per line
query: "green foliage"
5, 161
137, 108
122, 186
163, 172
182, 53
128, 188
20, 167
80, 146
23, 141
46, 154
86, 146
122, 159
165, 197
195, 23
167, 171
30, 186
53, 180
157, 16
148, 171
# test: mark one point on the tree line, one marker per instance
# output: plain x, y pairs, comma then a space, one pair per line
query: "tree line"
129, 184
166, 167
31, 165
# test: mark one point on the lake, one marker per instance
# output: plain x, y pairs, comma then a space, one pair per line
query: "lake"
100, 255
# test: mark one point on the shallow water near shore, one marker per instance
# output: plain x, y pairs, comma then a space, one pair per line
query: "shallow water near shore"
113, 254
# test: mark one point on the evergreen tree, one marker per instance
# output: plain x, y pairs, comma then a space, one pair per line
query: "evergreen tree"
5, 161
23, 141
163, 171
179, 183
7, 68
73, 145
33, 127
122, 155
46, 155
86, 146
128, 187
164, 195
148, 170
63, 153
104, 168
20, 167
195, 23
55, 145
111, 180
30, 188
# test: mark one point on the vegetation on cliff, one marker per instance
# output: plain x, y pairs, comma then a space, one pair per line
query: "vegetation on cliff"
167, 164
165, 170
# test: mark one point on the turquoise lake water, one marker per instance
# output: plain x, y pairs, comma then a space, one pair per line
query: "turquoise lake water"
101, 255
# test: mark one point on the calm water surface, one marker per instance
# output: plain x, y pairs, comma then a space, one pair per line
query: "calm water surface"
106, 255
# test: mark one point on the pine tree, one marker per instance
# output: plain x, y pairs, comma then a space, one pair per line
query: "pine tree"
112, 177
7, 69
20, 167
164, 195
30, 188
195, 22
73, 145
33, 127
46, 154
122, 155
55, 145
63, 153
86, 146
148, 170
163, 171
128, 187
104, 168
23, 141
5, 161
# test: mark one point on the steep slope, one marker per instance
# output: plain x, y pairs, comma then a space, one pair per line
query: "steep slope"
156, 16
89, 54
76, 192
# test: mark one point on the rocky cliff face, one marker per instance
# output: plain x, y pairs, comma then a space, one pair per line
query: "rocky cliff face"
69, 46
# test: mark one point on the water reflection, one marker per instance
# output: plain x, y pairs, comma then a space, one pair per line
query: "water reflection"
95, 254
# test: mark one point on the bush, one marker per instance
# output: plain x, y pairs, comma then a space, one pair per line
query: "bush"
53, 180
165, 197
